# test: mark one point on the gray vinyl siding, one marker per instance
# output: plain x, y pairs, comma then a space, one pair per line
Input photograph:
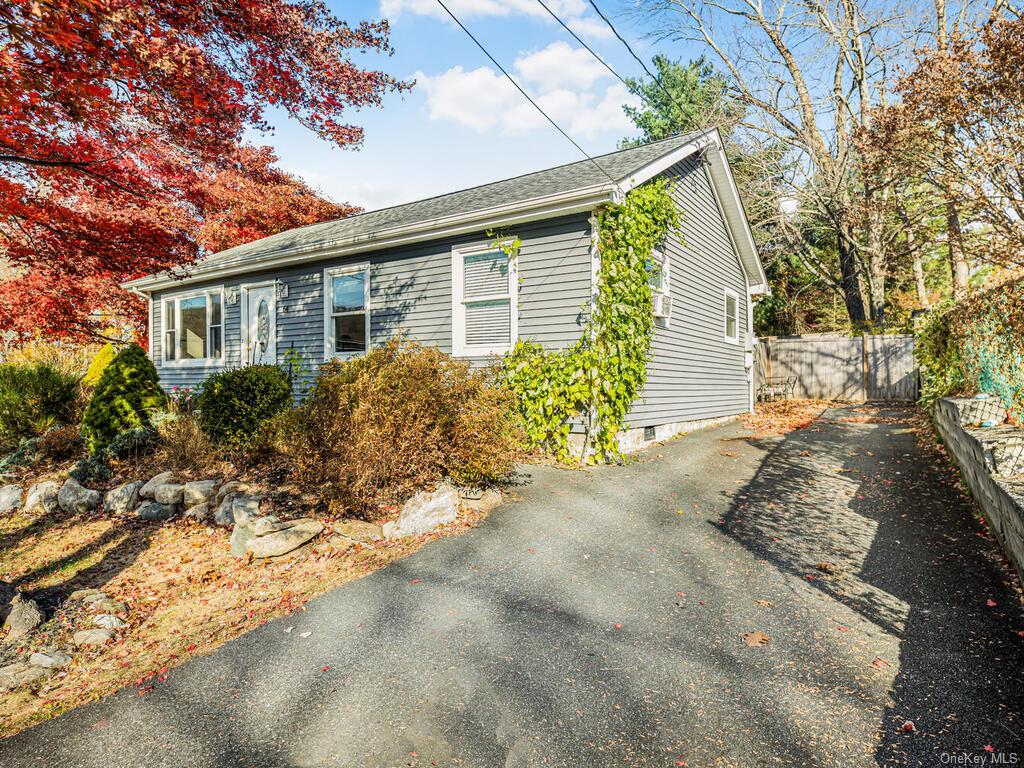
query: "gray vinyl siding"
411, 293
694, 374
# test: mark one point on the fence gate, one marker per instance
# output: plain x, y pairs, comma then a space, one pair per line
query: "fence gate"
840, 367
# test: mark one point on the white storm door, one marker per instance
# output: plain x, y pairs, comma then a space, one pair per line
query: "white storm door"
261, 324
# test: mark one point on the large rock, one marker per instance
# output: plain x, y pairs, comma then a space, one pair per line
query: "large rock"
10, 498
480, 499
42, 498
16, 675
49, 659
199, 492
87, 595
76, 499
223, 515
123, 499
107, 621
198, 512
155, 512
147, 490
359, 531
7, 595
24, 616
245, 509
107, 605
425, 511
261, 526
284, 541
169, 493
92, 637
239, 539
230, 488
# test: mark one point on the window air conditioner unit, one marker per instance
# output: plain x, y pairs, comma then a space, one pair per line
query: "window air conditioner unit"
662, 305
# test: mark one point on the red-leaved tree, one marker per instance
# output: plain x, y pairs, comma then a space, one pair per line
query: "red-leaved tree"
120, 131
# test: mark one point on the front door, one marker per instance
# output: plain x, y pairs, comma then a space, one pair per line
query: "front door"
262, 326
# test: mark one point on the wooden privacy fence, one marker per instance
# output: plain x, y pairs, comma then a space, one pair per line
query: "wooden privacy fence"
840, 367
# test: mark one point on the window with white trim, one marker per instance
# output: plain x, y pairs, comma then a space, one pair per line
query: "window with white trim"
194, 327
346, 310
732, 316
484, 311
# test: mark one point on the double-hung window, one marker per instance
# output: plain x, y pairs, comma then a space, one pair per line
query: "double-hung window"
346, 310
194, 328
484, 311
732, 316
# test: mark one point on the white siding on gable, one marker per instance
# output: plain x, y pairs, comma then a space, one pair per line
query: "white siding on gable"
694, 372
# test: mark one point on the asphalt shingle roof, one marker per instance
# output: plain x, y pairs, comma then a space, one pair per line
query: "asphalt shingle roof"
520, 189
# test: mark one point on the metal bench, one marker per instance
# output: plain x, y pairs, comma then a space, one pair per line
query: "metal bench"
775, 388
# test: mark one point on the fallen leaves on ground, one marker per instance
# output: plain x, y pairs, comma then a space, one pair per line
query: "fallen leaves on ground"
782, 416
755, 639
879, 663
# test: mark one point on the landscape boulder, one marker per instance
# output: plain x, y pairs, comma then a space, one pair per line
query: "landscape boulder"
16, 675
285, 540
424, 512
42, 498
148, 490
92, 637
76, 499
49, 659
107, 605
359, 531
123, 499
239, 539
223, 515
22, 617
107, 621
230, 488
245, 509
10, 498
198, 512
169, 493
480, 499
155, 512
199, 492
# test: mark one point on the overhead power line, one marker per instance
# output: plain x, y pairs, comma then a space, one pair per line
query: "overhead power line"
632, 53
606, 65
524, 93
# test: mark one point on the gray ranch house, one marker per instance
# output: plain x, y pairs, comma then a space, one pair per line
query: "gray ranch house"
430, 270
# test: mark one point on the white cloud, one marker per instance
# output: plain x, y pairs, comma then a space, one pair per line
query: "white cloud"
575, 13
564, 83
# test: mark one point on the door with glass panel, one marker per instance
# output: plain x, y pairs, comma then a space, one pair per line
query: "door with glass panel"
262, 326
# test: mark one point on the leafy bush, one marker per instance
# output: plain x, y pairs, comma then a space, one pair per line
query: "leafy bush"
124, 398
132, 443
98, 365
236, 403
34, 398
976, 345
92, 470
378, 428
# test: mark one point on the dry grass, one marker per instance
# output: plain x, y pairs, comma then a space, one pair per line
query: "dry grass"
185, 594
782, 416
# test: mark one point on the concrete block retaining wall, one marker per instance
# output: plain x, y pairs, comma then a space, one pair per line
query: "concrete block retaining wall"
991, 460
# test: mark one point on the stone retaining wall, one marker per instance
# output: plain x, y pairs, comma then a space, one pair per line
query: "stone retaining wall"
991, 459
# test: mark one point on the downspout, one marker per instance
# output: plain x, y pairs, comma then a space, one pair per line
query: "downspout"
751, 348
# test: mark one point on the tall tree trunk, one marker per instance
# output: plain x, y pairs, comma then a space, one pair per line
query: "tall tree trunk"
852, 296
917, 265
922, 289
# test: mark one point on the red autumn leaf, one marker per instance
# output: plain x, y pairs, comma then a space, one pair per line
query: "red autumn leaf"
989, 748
415, 581
325, 668
991, 603
841, 628
100, 184
618, 626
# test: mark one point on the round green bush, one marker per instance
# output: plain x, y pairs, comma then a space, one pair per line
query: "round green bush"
124, 398
34, 398
236, 403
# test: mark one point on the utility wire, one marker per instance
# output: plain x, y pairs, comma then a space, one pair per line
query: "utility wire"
525, 94
591, 50
633, 54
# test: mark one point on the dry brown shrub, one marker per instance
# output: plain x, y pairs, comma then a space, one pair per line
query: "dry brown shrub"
183, 446
378, 428
61, 443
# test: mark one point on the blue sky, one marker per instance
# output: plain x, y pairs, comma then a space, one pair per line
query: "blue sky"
463, 124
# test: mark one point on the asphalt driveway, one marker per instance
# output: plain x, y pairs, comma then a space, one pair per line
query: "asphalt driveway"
599, 620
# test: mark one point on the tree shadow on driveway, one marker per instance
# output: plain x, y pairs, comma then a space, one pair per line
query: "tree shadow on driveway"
859, 510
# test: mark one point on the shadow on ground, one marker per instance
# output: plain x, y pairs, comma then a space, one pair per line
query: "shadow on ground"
854, 507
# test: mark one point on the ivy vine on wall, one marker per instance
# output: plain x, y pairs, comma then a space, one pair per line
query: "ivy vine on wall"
595, 381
